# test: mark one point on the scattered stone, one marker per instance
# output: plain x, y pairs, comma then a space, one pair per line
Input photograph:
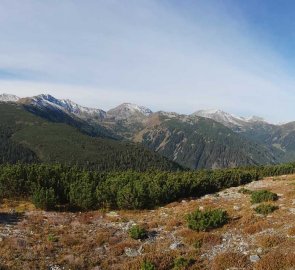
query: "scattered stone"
130, 252
176, 245
55, 267
254, 258
259, 250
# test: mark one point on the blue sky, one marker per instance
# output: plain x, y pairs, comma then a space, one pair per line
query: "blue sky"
169, 55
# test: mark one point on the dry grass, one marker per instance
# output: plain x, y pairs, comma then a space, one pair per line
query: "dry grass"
291, 231
256, 227
276, 261
270, 241
228, 260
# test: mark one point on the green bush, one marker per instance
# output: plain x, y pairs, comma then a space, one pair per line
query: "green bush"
77, 188
263, 196
146, 265
265, 209
245, 191
44, 198
52, 238
182, 263
206, 220
82, 193
198, 244
137, 232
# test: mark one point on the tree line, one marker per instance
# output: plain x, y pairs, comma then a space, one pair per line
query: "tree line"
58, 186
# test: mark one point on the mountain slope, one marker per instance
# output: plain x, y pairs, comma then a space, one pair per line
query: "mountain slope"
198, 142
187, 140
234, 122
57, 142
65, 111
128, 110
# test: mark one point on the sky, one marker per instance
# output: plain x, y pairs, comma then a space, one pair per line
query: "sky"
169, 55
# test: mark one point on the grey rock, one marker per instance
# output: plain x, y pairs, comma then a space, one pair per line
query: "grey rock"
254, 258
176, 245
130, 252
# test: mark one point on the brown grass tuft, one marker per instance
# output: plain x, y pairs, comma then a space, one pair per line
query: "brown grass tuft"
276, 261
256, 227
228, 260
269, 241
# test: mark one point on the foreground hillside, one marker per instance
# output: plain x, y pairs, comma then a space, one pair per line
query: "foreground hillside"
33, 239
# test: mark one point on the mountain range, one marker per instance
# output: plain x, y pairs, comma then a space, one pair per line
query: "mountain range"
204, 139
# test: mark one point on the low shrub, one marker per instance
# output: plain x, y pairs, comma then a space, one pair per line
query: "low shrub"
146, 265
182, 263
44, 198
206, 220
263, 196
245, 191
137, 232
52, 238
198, 244
265, 209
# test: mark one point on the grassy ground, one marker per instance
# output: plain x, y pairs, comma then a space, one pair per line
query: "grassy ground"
33, 239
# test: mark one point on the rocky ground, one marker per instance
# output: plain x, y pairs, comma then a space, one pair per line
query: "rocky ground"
33, 239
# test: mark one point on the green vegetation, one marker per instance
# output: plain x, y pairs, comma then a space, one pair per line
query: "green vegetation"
198, 244
44, 198
27, 138
245, 191
206, 220
203, 143
263, 196
58, 186
182, 263
136, 232
265, 209
52, 238
146, 265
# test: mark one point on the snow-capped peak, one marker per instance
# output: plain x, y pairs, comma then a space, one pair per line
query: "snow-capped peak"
255, 118
220, 116
127, 110
45, 100
226, 118
8, 98
133, 107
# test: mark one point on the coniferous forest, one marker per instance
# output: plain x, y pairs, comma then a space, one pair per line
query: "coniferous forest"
61, 187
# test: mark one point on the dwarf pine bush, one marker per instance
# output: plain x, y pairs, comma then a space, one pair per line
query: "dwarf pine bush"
137, 232
265, 209
206, 220
263, 196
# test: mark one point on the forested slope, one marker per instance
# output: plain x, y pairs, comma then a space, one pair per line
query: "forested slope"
29, 138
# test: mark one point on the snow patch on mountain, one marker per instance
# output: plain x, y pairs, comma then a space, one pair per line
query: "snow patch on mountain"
127, 110
8, 98
226, 118
66, 105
